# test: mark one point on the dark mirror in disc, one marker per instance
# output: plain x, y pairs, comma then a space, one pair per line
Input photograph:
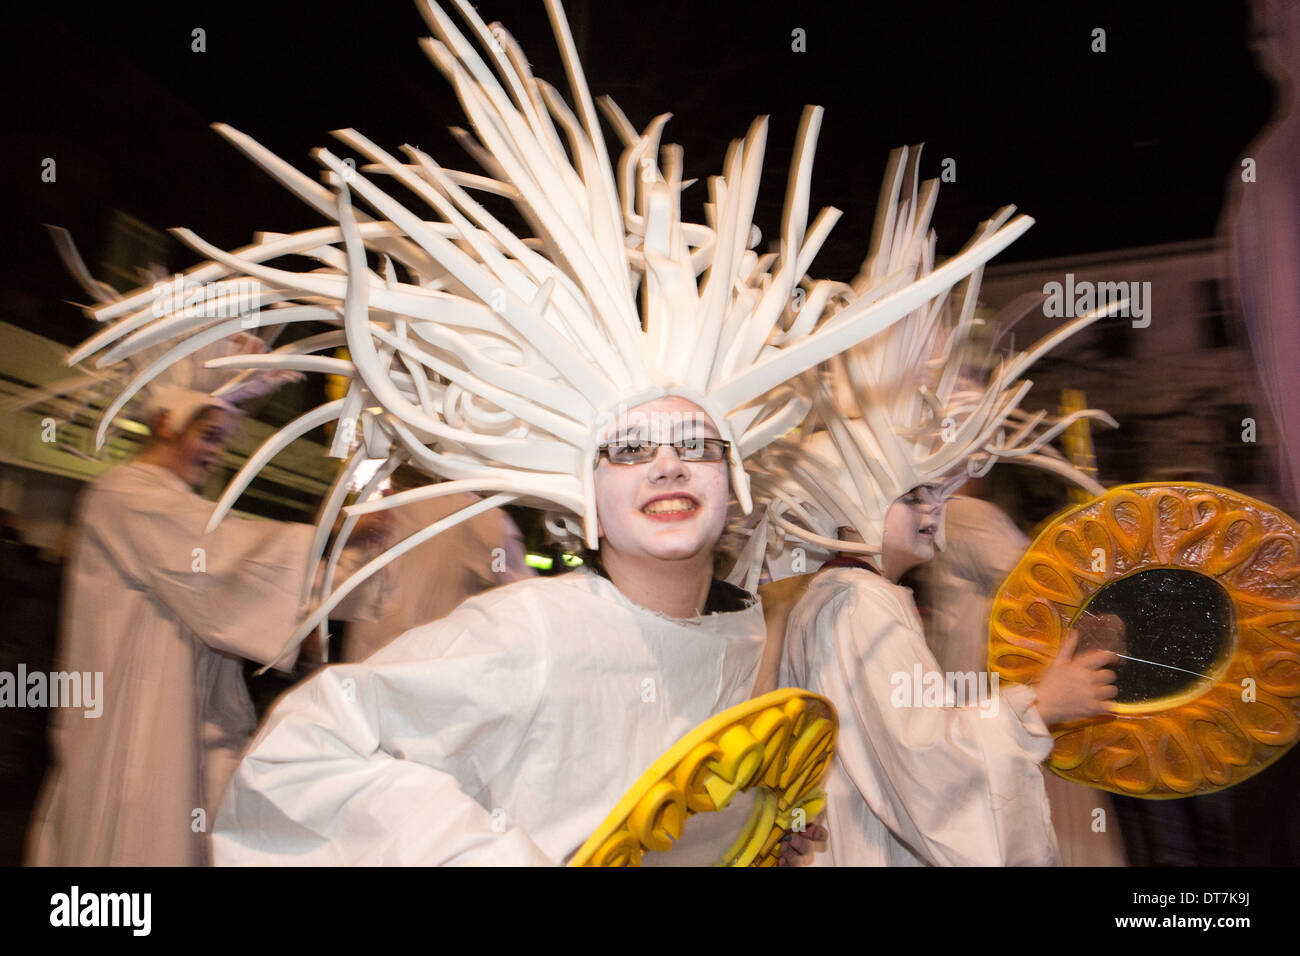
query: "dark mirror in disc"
1177, 625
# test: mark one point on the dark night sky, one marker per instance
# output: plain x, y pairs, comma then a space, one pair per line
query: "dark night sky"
1124, 148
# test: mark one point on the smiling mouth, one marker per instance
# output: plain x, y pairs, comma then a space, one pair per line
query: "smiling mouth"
665, 506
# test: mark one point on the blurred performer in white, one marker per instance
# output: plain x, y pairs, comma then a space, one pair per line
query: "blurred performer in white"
1263, 226
983, 545
431, 581
166, 612
920, 776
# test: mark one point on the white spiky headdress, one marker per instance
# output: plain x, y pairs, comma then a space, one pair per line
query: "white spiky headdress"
492, 361
920, 403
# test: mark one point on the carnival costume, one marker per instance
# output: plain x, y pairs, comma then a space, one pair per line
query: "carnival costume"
915, 780
497, 364
164, 613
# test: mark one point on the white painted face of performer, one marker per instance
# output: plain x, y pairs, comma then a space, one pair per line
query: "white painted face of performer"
660, 519
911, 525
192, 453
1073, 686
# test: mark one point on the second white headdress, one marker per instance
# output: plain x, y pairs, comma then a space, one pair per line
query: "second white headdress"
923, 402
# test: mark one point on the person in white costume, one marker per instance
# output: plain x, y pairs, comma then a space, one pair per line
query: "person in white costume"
915, 780
531, 369
504, 733
983, 546
166, 613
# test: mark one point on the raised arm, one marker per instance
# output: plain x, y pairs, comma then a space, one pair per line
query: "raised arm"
236, 588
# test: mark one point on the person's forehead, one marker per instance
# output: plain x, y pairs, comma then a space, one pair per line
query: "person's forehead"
661, 419
213, 418
930, 490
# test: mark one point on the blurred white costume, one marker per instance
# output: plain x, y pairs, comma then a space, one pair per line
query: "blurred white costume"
167, 628
950, 786
164, 608
913, 781
431, 581
1263, 222
983, 547
166, 613
502, 734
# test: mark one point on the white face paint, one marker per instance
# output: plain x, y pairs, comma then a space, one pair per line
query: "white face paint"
911, 524
664, 509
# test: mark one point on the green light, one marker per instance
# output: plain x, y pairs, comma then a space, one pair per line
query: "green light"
571, 560
539, 561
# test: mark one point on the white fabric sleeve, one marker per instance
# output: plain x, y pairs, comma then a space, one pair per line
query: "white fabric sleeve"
390, 762
236, 588
960, 785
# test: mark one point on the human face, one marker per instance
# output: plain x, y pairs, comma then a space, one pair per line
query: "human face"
198, 449
665, 509
911, 524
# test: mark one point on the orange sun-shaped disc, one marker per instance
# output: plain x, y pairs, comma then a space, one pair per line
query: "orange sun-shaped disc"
1207, 583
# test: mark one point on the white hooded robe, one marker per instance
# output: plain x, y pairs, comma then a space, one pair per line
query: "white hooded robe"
165, 613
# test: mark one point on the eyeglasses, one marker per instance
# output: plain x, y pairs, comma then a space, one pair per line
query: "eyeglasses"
637, 452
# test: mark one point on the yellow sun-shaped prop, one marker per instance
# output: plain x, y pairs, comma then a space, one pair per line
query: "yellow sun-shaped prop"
1207, 585
774, 748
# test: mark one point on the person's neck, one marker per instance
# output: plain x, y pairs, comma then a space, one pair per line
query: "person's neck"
847, 559
890, 570
677, 589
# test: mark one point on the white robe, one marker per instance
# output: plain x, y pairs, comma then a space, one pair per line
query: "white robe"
983, 547
432, 580
913, 785
501, 734
166, 625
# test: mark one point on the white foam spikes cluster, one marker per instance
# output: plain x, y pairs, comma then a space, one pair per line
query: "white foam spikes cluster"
180, 387
494, 362
920, 403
